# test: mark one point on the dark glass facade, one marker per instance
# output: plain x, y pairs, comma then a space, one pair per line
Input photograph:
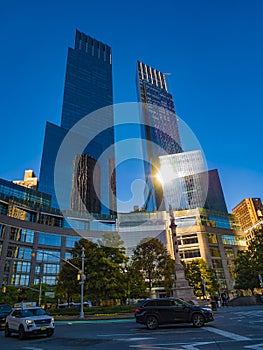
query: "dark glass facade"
88, 88
215, 199
54, 135
88, 83
86, 179
9, 190
159, 127
159, 119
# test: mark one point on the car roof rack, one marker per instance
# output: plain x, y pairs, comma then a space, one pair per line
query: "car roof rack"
25, 305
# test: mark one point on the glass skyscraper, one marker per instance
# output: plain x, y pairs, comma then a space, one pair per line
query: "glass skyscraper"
159, 128
188, 185
186, 182
88, 83
183, 186
88, 88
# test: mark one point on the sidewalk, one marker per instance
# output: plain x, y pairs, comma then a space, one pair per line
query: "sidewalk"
231, 308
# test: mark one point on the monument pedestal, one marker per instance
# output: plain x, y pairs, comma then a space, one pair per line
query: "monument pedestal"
182, 289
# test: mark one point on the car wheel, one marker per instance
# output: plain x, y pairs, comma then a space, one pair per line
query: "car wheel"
21, 333
152, 322
7, 331
198, 320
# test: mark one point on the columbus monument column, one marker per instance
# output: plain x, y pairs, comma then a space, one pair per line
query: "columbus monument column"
181, 289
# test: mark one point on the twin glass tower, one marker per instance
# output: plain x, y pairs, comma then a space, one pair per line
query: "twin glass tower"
89, 184
88, 88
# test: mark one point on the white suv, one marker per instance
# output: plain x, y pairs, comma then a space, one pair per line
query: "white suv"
29, 321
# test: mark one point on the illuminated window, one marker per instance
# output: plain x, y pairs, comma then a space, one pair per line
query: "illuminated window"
229, 252
212, 238
217, 264
214, 251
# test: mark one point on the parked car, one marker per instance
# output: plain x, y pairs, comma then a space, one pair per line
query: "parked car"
155, 312
75, 305
29, 321
4, 311
85, 304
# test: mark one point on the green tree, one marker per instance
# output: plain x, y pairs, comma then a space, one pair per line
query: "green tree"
105, 273
196, 272
249, 264
10, 296
136, 285
153, 261
246, 277
255, 250
103, 270
111, 239
67, 284
14, 295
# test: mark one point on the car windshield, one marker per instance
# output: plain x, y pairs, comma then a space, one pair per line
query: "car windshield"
33, 312
5, 308
186, 302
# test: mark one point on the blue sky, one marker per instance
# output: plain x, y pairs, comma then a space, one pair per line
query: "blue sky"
213, 50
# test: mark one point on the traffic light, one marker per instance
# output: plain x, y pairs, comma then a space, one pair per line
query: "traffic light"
3, 289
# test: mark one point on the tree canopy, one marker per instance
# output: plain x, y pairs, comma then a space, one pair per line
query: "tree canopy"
103, 270
152, 260
249, 264
198, 274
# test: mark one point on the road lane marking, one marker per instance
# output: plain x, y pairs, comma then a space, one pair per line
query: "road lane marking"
156, 347
114, 335
175, 346
137, 339
229, 335
255, 346
193, 346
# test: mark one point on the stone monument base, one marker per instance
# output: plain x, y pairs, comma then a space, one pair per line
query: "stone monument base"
186, 293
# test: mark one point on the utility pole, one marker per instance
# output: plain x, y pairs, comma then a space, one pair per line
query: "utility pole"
40, 291
82, 284
40, 281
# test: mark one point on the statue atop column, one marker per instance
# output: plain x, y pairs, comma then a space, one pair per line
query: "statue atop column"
181, 289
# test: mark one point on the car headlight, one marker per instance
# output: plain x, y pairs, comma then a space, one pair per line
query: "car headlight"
206, 309
52, 320
29, 321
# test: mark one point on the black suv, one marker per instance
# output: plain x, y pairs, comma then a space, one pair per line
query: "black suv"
155, 312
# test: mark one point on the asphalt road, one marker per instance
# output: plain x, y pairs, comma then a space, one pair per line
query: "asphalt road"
234, 328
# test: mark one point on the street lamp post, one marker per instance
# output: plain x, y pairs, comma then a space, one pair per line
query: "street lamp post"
81, 272
41, 271
82, 284
40, 291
